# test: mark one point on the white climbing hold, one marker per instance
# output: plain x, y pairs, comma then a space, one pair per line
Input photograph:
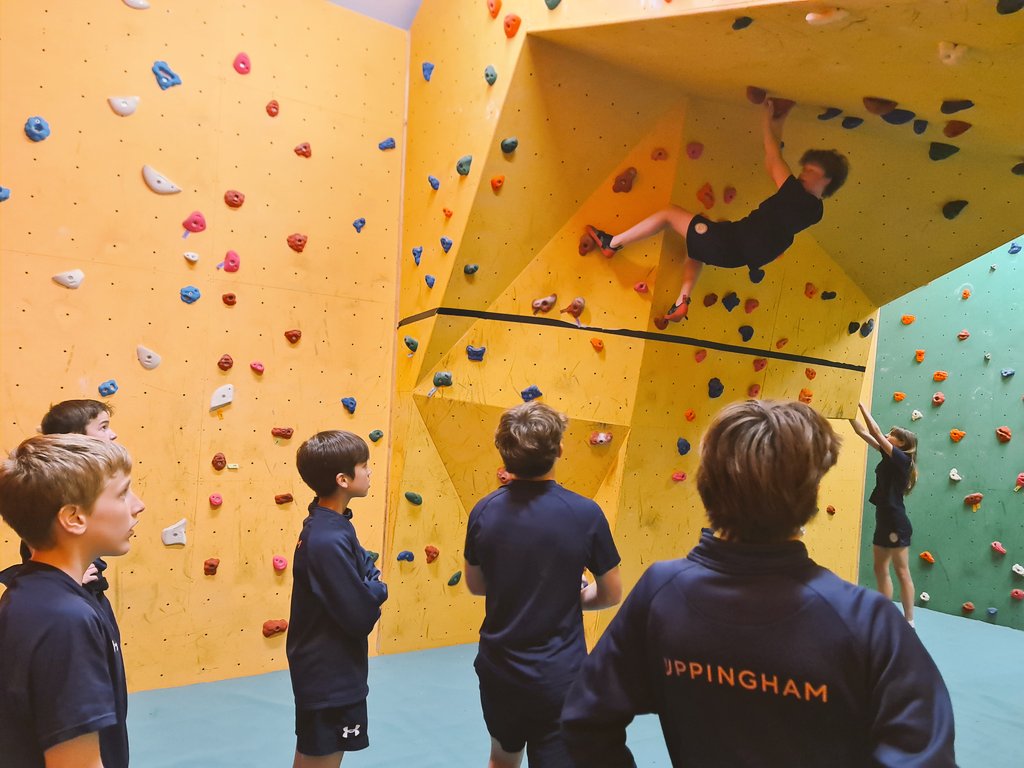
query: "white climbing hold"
954, 475
1018, 569
70, 279
123, 105
148, 359
925, 597
174, 534
951, 53
139, 5
222, 396
915, 415
826, 16
158, 182
191, 256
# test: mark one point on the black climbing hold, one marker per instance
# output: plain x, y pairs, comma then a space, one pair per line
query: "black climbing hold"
920, 126
952, 209
742, 22
940, 151
853, 327
951, 106
746, 332
830, 113
898, 116
1018, 169
1006, 7
730, 301
828, 295
852, 122
868, 327
715, 388
756, 274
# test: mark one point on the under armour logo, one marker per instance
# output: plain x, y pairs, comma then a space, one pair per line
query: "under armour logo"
346, 731
117, 648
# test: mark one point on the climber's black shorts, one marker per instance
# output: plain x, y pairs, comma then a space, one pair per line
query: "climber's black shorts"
335, 729
715, 242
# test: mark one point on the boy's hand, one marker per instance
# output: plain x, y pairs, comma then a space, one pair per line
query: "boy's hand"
92, 573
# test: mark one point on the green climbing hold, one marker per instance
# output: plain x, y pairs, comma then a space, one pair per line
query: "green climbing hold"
376, 435
443, 379
509, 145
455, 579
462, 166
552, 4
414, 498
490, 75
411, 343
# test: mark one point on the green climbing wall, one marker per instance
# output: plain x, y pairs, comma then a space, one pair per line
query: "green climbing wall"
984, 298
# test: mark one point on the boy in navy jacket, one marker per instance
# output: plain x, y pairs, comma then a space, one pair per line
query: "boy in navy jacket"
527, 546
749, 652
63, 698
336, 599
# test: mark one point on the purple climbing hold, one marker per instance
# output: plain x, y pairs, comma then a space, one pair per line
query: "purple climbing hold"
898, 116
164, 75
953, 208
388, 143
940, 151
852, 122
359, 224
952, 106
446, 244
435, 183
108, 388
349, 403
715, 388
830, 113
417, 254
746, 332
730, 301
476, 354
683, 445
920, 126
531, 393
428, 70
429, 280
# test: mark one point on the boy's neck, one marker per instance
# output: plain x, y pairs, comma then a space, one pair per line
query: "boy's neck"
542, 478
72, 563
336, 502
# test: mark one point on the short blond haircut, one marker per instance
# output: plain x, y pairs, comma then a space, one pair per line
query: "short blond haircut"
760, 467
529, 438
47, 472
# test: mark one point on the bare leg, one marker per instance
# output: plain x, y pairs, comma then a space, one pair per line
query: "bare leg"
691, 271
882, 557
675, 217
324, 761
502, 759
902, 567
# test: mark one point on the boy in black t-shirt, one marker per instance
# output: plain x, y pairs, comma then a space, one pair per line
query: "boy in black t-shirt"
336, 599
760, 237
527, 545
63, 698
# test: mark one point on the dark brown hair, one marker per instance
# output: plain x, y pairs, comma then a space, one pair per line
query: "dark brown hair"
909, 447
760, 467
835, 166
529, 439
72, 416
328, 454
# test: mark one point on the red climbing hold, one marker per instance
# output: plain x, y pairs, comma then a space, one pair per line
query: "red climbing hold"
810, 373
1017, 594
781, 343
699, 355
219, 461
659, 153
973, 500
297, 242
760, 363
431, 552
512, 22
690, 414
624, 181
997, 546
233, 198
710, 299
273, 107
750, 305
293, 335
678, 477
810, 290
805, 396
225, 362
706, 196
694, 150
830, 510
273, 627
660, 323
956, 128
230, 299
968, 607
304, 150
728, 195
210, 566
282, 432
586, 245
284, 498
878, 106
447, 212
497, 182
754, 391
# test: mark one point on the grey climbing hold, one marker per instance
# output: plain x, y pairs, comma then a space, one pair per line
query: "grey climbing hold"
953, 208
435, 183
148, 359
532, 392
108, 388
349, 403
443, 379
411, 343
490, 74
475, 354
463, 164
509, 145
37, 129
388, 143
940, 151
471, 269
157, 182
222, 396
123, 105
164, 75
359, 224
446, 244
1007, 372
376, 435
428, 70
414, 498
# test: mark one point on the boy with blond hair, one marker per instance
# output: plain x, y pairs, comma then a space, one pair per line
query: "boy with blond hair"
63, 698
527, 546
749, 652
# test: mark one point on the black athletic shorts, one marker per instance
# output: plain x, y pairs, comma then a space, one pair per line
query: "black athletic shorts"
520, 719
321, 732
714, 242
892, 528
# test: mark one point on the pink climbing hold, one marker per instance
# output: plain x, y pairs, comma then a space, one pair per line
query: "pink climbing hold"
273, 108
706, 196
728, 195
195, 222
754, 391
600, 438
760, 363
641, 287
750, 305
1017, 594
304, 150
257, 367
231, 262
242, 64
997, 546
216, 500
678, 477
624, 181
280, 563
699, 355
938, 399
575, 308
964, 335
694, 150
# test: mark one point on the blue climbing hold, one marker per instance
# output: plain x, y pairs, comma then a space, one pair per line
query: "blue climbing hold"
509, 145
715, 388
1013, 251
359, 224
36, 128
443, 379
388, 143
463, 164
867, 327
475, 354
853, 327
471, 269
742, 22
190, 294
428, 70
107, 388
490, 75
898, 116
455, 578
411, 343
756, 275
5, 194
746, 332
683, 446
435, 183
531, 393
1007, 372
446, 244
406, 556
830, 113
920, 126
349, 404
852, 122
417, 254
992, 611
376, 435
828, 295
429, 280
730, 301
164, 75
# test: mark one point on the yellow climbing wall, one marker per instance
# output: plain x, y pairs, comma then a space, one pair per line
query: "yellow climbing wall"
78, 201
589, 90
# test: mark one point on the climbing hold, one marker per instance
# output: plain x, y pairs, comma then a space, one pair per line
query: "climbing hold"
715, 388
174, 534
279, 563
919, 355
1018, 569
915, 415
1018, 169
195, 222
216, 500
730, 301
446, 244
899, 397
600, 438
920, 126
852, 327
219, 461
1017, 594
233, 198
229, 299
826, 16
867, 327
471, 269
760, 363
494, 8
965, 294
898, 116
1013, 250
108, 388
830, 510
694, 150
190, 294
678, 477
257, 367
476, 354
455, 578
497, 182
210, 566
231, 262
953, 208
939, 151
139, 5
756, 95
512, 22
940, 376
706, 195
273, 627
908, 319
956, 435
304, 149
878, 106
728, 195
429, 280
710, 299
428, 70
123, 105
951, 106
297, 242
70, 279
659, 153
532, 392
463, 164
828, 295
225, 363
850, 122
997, 547
285, 433
754, 391
742, 22
938, 399
447, 212
509, 145
386, 144
431, 552
242, 64
955, 128
376, 435
925, 597
222, 395
954, 475
544, 304
443, 379
1006, 7
552, 4
417, 254
781, 343
746, 332
586, 244
641, 287
683, 446
968, 607
830, 113
964, 335
624, 181
293, 335
575, 308
928, 557
148, 359
359, 224
349, 404
810, 291
405, 556
597, 344
158, 182
490, 74
1007, 373
1004, 434
273, 108
805, 396
5, 194
951, 53
434, 182
411, 343
699, 355
690, 414
164, 75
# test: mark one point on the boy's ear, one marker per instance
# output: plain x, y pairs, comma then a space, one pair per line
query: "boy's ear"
73, 519
341, 479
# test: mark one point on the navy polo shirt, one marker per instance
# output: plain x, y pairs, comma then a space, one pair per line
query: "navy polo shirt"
61, 673
532, 540
891, 477
769, 230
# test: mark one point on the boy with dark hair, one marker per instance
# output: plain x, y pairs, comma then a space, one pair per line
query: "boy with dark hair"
755, 240
336, 599
63, 698
749, 652
527, 545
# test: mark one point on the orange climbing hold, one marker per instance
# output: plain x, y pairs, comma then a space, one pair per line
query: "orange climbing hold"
919, 355
964, 335
497, 183
431, 552
908, 319
494, 8
1004, 434
274, 627
512, 22
781, 343
690, 414
956, 435
750, 305
830, 510
659, 153
965, 294
810, 290
899, 397
760, 363
968, 607
805, 396
597, 344
447, 212
699, 355
706, 195
810, 373
754, 391
940, 375
927, 556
